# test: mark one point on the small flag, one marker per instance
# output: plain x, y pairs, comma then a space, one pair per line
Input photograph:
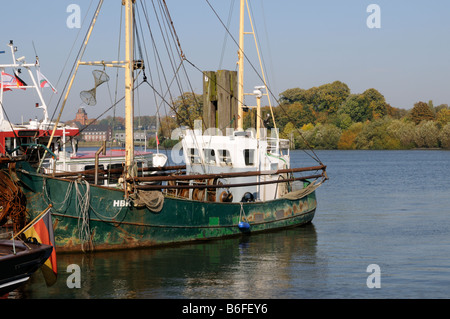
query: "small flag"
43, 82
42, 230
19, 81
10, 81
157, 139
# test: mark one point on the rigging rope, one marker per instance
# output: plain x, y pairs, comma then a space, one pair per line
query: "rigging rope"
230, 13
67, 60
80, 52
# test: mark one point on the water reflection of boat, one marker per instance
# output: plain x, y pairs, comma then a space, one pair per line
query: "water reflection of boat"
18, 261
259, 266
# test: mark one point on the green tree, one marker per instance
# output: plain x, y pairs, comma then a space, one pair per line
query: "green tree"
374, 136
288, 129
189, 107
325, 136
296, 113
444, 136
290, 132
292, 95
343, 121
303, 137
403, 131
377, 103
329, 97
300, 114
426, 134
357, 106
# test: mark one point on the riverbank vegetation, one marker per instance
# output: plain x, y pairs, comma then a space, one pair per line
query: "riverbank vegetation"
331, 117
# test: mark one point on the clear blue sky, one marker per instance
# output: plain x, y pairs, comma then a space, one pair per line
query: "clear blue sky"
305, 44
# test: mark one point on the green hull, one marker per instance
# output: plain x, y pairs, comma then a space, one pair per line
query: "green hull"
113, 224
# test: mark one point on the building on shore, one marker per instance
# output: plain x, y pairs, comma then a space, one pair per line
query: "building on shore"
90, 131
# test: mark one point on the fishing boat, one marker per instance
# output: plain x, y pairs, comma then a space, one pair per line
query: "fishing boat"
228, 182
18, 261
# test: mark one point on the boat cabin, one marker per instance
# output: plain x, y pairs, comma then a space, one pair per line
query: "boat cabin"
238, 152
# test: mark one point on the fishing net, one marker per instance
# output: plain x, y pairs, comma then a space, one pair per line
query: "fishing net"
153, 200
89, 97
12, 202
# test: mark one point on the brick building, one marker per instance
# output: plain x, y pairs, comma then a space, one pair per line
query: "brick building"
91, 132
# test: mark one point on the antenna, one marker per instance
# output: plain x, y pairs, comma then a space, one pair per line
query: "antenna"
34, 48
35, 53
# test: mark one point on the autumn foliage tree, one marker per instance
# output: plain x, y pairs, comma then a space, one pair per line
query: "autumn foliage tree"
347, 139
443, 117
421, 112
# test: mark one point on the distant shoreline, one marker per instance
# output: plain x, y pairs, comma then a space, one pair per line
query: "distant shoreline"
110, 144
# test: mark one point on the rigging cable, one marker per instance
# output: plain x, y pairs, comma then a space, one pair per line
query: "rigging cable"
257, 73
230, 14
165, 36
78, 54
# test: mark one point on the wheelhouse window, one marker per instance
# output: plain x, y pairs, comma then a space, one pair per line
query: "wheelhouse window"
210, 156
194, 156
224, 157
89, 167
9, 144
249, 157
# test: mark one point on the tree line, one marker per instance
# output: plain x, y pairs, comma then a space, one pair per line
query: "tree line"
331, 117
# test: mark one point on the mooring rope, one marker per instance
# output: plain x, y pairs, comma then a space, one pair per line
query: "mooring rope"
83, 211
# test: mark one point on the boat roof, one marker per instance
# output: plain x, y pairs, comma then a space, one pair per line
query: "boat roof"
33, 130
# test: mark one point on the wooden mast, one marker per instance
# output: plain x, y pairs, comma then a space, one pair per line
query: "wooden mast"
129, 105
241, 68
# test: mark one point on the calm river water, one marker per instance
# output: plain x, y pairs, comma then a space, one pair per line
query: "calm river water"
385, 208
